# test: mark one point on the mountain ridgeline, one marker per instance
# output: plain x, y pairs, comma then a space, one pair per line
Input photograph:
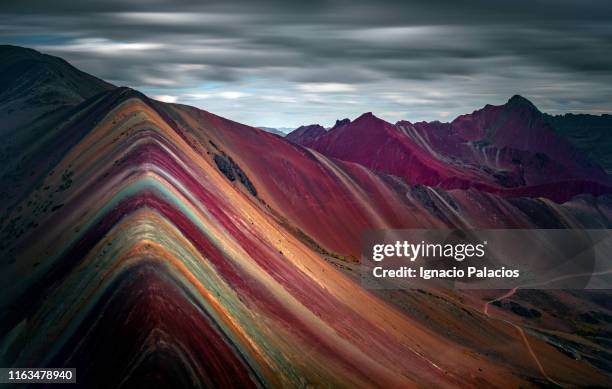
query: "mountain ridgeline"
512, 150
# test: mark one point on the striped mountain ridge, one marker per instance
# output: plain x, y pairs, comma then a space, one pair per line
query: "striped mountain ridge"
140, 219
177, 248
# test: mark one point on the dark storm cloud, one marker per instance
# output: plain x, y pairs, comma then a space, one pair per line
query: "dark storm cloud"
404, 58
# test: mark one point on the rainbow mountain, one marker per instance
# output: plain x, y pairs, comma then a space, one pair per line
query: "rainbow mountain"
150, 244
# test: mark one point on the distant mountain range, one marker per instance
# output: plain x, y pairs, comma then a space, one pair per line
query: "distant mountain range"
512, 150
149, 244
281, 131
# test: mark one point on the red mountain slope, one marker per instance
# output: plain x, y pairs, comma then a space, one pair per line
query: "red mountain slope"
507, 149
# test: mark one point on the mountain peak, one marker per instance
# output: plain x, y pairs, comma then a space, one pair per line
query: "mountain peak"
306, 134
518, 100
403, 123
368, 117
340, 123
311, 127
519, 104
371, 121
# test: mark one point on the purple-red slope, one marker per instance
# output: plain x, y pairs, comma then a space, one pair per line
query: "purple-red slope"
507, 149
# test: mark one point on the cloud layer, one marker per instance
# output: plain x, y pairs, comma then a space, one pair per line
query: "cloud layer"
274, 63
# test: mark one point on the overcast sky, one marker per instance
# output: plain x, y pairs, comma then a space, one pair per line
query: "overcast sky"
278, 64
